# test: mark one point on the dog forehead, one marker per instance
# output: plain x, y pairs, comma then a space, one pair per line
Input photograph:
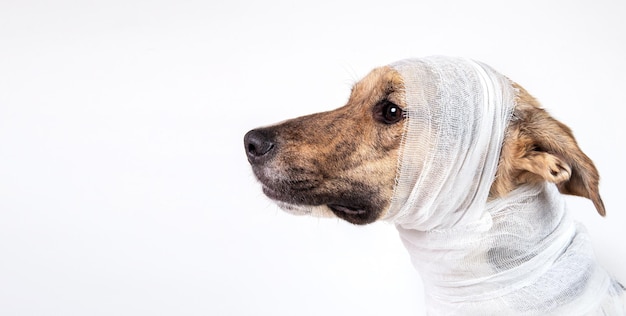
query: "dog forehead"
379, 83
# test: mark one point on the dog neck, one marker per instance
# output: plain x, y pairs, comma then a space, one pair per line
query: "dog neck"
525, 245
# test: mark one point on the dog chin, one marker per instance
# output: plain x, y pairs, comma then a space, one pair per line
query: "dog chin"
315, 211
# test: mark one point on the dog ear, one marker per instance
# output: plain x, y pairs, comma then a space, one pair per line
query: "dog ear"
552, 153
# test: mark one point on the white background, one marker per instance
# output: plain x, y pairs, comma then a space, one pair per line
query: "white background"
124, 187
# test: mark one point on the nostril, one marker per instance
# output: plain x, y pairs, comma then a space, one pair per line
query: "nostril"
259, 148
258, 144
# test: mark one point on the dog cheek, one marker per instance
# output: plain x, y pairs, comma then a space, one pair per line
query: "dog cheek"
378, 179
389, 137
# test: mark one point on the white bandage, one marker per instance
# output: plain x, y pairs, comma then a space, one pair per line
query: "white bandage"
518, 255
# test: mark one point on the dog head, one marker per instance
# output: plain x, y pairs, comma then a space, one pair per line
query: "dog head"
345, 162
341, 162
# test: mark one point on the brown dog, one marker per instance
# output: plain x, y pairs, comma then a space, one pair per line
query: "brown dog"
344, 161
497, 242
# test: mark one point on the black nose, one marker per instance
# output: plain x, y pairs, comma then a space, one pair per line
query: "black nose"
259, 145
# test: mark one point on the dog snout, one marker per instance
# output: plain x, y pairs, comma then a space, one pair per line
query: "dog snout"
260, 145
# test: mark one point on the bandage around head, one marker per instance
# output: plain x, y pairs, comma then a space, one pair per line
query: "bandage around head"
457, 111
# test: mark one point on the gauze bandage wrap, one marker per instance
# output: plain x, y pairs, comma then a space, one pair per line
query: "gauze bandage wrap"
518, 255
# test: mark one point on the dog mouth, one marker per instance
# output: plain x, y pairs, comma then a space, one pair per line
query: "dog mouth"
340, 205
291, 198
300, 190
336, 208
354, 214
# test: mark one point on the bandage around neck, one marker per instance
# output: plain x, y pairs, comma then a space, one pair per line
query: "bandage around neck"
517, 255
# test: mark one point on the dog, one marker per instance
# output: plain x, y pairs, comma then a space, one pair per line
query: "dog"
469, 167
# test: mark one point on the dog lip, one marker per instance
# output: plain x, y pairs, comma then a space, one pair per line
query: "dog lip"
358, 215
282, 195
346, 209
338, 208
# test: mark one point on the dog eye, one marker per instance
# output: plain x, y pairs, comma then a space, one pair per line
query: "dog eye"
388, 112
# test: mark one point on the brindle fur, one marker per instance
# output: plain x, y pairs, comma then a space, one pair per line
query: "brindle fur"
349, 157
